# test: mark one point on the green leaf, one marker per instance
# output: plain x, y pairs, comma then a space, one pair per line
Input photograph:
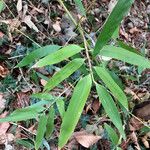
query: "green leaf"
58, 56
43, 96
61, 107
110, 108
37, 54
25, 143
2, 5
80, 7
25, 113
40, 131
50, 122
112, 85
128, 47
116, 33
125, 56
64, 73
113, 21
112, 134
74, 110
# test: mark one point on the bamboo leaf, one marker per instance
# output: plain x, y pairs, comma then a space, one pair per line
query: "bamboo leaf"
64, 73
40, 131
61, 107
112, 134
111, 24
50, 122
80, 7
74, 109
110, 108
125, 55
37, 54
2, 5
25, 113
112, 85
43, 96
58, 56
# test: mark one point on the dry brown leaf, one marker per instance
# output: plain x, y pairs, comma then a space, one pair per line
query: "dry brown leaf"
2, 102
134, 30
142, 110
1, 34
135, 124
135, 140
86, 139
124, 34
19, 5
111, 5
3, 129
56, 26
43, 82
145, 142
3, 71
27, 20
5, 125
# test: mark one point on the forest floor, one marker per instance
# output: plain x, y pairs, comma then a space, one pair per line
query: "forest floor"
29, 24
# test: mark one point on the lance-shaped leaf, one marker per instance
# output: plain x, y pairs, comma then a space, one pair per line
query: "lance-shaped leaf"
80, 7
112, 134
112, 85
50, 122
40, 131
111, 24
61, 107
64, 73
74, 110
125, 55
26, 113
58, 56
2, 5
37, 54
110, 108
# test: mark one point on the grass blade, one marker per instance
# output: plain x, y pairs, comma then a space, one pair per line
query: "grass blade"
112, 85
113, 21
40, 131
58, 56
125, 56
64, 73
37, 54
110, 108
74, 109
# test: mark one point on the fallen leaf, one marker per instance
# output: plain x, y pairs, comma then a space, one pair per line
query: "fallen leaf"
95, 106
134, 138
86, 139
27, 20
142, 110
56, 26
2, 102
145, 141
1, 34
43, 82
3, 129
19, 5
111, 5
5, 125
134, 30
22, 100
3, 71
